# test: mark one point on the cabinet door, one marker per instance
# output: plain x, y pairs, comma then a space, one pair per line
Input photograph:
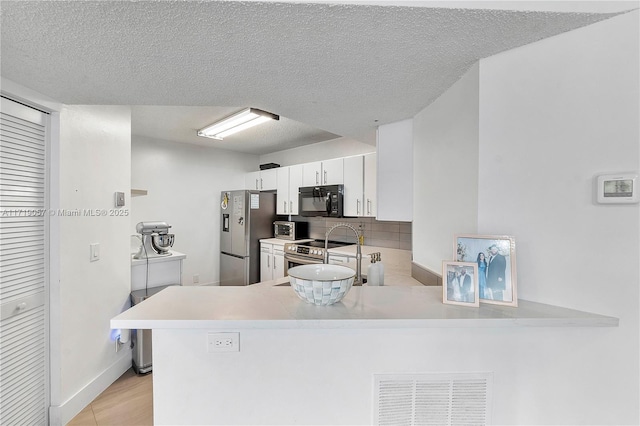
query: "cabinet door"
333, 172
282, 191
312, 174
370, 188
268, 180
266, 265
353, 186
295, 182
278, 263
252, 181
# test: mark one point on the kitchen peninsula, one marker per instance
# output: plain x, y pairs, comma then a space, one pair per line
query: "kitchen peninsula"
303, 364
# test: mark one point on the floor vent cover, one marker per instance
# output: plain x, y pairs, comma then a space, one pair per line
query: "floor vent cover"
432, 399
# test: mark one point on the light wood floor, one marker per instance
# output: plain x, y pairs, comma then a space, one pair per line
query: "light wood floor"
127, 402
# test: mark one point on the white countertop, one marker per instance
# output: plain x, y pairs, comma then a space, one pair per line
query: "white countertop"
262, 306
397, 263
155, 259
282, 242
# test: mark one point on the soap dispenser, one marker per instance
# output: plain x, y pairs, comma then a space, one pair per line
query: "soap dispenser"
380, 267
373, 276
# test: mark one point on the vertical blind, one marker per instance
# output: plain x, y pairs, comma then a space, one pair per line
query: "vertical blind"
23, 333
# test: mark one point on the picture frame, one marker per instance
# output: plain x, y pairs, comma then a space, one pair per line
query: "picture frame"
496, 277
460, 283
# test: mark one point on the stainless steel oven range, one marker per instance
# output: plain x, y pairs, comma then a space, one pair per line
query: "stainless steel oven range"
307, 253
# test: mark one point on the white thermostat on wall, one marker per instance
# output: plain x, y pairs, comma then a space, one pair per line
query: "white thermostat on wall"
621, 188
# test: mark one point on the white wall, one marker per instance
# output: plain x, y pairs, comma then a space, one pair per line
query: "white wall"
94, 163
335, 148
394, 162
445, 164
552, 115
184, 183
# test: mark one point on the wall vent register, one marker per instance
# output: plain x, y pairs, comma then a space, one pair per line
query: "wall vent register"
432, 399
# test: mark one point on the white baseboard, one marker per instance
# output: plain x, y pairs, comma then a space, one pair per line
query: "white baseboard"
61, 414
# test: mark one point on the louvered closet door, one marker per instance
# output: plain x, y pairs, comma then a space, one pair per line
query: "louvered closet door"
23, 332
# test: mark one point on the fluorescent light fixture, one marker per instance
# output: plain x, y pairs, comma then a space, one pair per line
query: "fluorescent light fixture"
237, 122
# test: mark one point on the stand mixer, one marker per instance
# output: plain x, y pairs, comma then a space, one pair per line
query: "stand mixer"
156, 239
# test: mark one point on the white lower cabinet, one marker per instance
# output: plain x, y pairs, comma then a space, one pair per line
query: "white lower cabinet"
278, 262
266, 260
271, 261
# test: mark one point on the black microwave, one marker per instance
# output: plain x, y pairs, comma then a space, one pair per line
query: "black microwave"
325, 200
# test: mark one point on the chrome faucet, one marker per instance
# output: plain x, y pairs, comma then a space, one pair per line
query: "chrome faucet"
358, 253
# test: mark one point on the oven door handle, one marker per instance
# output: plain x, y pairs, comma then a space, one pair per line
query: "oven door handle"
302, 260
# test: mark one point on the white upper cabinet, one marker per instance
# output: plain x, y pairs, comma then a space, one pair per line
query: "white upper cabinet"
268, 179
370, 184
264, 180
295, 182
252, 181
333, 171
289, 180
395, 171
311, 173
282, 191
360, 185
328, 172
354, 186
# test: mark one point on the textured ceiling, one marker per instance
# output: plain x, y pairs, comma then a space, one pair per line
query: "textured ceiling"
340, 68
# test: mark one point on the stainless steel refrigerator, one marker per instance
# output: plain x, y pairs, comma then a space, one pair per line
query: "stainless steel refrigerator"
245, 218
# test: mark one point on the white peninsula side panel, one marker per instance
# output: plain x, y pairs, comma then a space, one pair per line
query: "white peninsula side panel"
303, 364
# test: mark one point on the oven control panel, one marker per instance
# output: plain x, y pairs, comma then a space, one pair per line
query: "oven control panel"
304, 251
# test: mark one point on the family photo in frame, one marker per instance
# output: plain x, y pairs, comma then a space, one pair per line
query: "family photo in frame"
460, 283
495, 258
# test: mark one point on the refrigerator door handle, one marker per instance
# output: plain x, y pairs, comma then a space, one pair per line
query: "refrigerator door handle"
232, 255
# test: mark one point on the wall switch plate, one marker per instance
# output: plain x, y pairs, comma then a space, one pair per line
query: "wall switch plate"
223, 342
119, 199
196, 279
94, 252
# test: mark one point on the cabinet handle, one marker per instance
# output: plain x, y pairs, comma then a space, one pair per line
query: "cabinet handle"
274, 264
358, 207
325, 177
285, 206
317, 176
256, 184
261, 186
290, 206
368, 206
268, 261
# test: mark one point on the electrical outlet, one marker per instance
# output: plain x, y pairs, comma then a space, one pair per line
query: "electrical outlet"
196, 279
223, 342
